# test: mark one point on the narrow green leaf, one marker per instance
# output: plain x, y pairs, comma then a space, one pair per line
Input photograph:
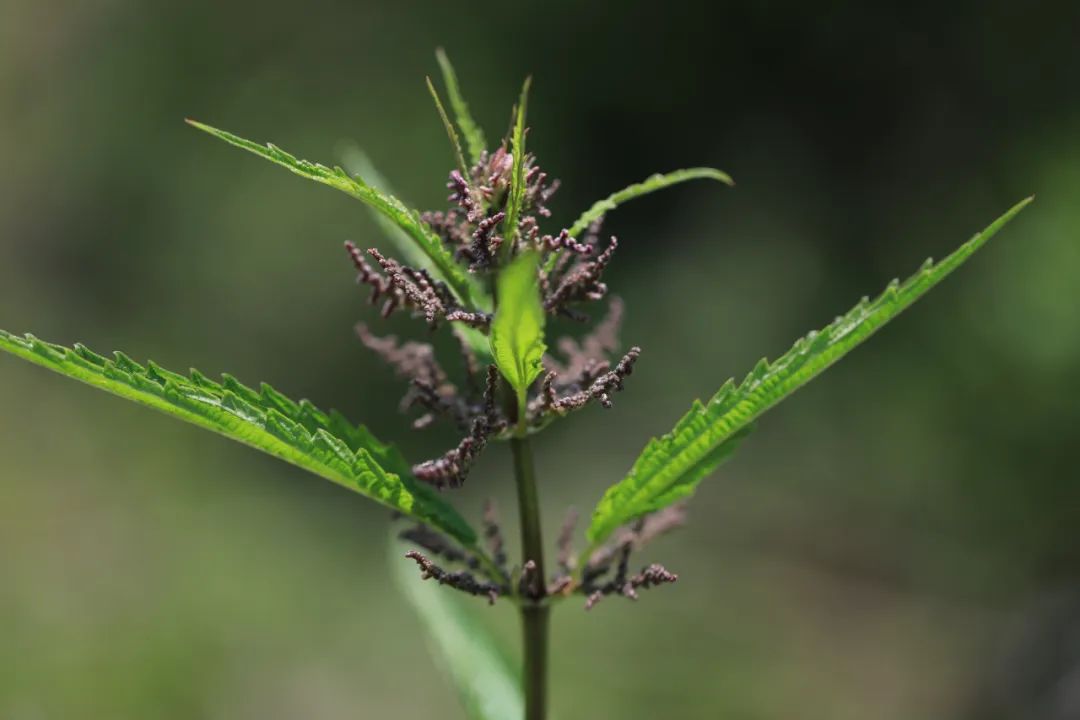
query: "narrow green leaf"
296, 432
486, 683
450, 132
474, 136
517, 175
357, 163
646, 186
670, 467
517, 331
390, 207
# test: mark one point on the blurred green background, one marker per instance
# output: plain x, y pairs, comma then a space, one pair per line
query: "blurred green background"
899, 540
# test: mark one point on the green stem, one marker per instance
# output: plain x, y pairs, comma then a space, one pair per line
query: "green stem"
535, 635
534, 616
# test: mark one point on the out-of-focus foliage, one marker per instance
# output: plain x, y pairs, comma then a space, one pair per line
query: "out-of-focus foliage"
463, 647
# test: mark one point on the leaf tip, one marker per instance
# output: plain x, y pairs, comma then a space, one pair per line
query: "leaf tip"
718, 175
523, 101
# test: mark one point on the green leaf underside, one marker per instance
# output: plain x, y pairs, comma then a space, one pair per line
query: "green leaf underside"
517, 174
517, 331
357, 161
296, 432
486, 683
659, 181
450, 132
445, 267
474, 135
670, 467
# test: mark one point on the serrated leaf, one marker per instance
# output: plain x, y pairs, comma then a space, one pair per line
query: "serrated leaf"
296, 432
517, 172
517, 331
442, 261
474, 135
486, 683
670, 467
659, 181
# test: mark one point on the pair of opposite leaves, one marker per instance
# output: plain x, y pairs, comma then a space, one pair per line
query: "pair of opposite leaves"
667, 470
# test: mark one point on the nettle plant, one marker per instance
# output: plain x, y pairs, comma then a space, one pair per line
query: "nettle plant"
487, 271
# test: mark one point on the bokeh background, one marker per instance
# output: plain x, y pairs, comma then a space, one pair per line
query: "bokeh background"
901, 539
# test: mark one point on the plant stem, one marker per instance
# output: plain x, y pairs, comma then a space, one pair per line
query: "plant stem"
535, 635
534, 616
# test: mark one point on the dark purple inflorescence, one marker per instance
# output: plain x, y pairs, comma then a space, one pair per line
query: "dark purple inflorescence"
577, 372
